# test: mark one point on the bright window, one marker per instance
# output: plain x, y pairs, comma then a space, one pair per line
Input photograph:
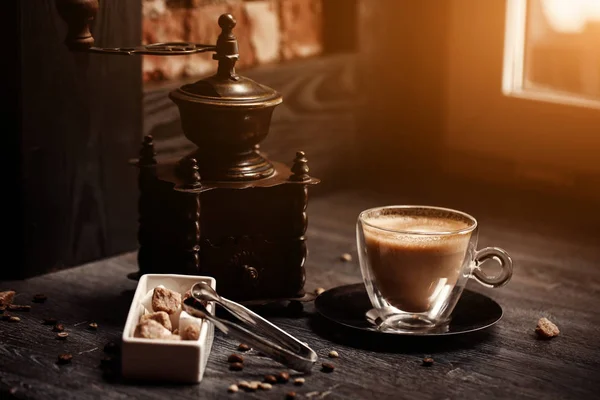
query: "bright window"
552, 51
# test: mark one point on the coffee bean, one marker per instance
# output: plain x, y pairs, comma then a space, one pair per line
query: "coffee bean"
427, 362
299, 381
319, 291
40, 298
111, 348
232, 389
326, 367
236, 366
62, 335
64, 358
17, 307
58, 328
333, 354
235, 358
283, 377
346, 257
265, 386
270, 379
14, 319
250, 387
93, 326
50, 321
290, 395
243, 347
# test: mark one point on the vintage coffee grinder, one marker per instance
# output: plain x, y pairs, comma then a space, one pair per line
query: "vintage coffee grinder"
223, 210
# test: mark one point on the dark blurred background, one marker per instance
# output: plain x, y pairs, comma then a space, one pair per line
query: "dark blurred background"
489, 106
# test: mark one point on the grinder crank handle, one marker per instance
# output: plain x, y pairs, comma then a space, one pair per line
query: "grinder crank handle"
300, 358
203, 291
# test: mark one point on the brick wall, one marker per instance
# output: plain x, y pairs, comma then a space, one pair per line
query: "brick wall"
267, 30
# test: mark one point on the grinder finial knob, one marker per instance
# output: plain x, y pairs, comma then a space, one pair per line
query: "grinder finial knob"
191, 174
147, 153
300, 168
227, 22
227, 48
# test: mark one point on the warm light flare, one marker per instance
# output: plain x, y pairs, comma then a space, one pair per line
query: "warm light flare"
593, 9
571, 16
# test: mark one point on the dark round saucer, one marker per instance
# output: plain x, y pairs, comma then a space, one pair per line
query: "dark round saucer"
347, 305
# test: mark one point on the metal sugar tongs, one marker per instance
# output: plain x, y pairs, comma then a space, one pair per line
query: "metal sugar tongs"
270, 340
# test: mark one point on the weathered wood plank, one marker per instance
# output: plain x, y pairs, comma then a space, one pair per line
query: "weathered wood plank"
79, 121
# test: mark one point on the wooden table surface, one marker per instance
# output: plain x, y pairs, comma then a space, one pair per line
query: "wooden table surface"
557, 275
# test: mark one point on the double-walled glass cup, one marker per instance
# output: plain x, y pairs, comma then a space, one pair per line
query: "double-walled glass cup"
416, 260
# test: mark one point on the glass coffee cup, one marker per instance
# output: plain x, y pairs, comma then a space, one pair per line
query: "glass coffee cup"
416, 260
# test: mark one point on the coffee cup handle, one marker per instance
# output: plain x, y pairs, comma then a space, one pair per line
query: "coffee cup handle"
502, 258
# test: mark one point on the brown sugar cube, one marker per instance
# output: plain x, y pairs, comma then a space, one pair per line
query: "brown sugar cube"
160, 316
174, 337
165, 300
150, 329
6, 298
191, 332
546, 329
